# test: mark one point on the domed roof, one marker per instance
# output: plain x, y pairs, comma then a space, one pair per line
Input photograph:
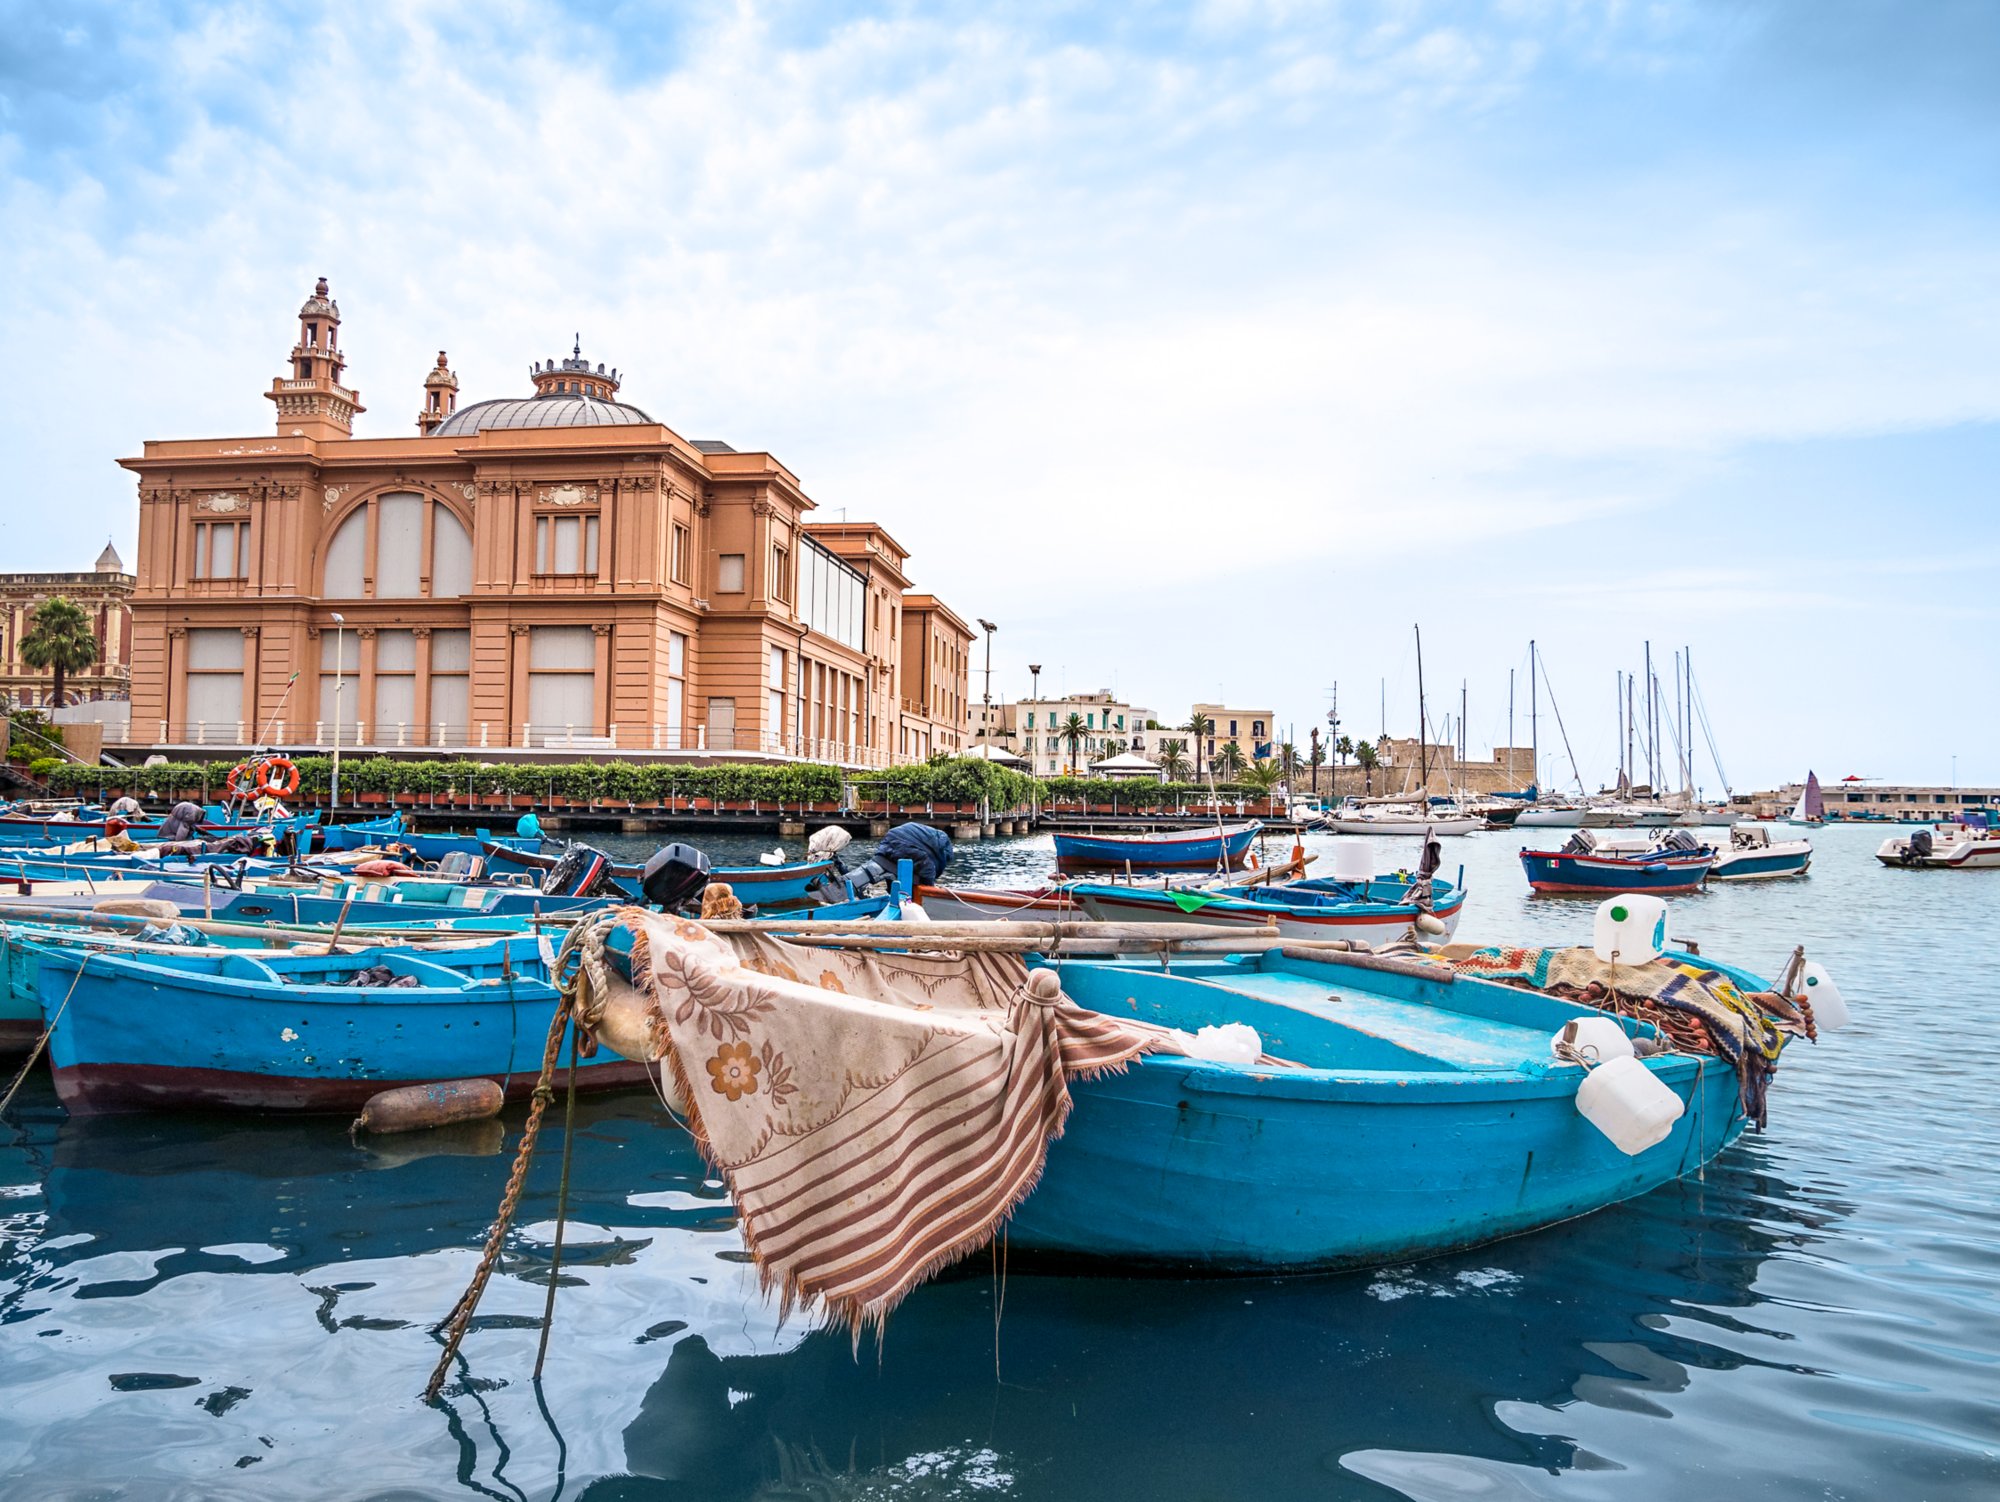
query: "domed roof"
552, 411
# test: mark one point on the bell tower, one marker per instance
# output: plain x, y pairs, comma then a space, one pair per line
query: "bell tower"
312, 402
440, 397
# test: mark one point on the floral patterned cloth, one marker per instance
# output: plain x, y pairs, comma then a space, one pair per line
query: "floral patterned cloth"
876, 1116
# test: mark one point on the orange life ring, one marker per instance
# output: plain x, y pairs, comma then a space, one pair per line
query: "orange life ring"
236, 772
279, 778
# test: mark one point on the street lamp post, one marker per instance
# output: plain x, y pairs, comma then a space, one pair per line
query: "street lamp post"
986, 697
339, 665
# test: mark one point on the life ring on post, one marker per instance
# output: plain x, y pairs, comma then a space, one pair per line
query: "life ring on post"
236, 775
279, 778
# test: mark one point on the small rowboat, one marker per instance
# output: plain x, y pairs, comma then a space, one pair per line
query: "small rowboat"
1175, 850
756, 886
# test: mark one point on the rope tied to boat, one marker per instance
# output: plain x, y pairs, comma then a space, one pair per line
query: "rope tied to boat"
456, 1323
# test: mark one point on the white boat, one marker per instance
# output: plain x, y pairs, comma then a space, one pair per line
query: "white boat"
1400, 819
1565, 816
1950, 846
1754, 856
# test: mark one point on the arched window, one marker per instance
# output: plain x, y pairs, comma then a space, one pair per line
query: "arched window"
409, 537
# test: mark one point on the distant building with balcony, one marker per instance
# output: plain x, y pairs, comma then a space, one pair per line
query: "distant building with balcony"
937, 657
1034, 730
1251, 731
551, 571
105, 596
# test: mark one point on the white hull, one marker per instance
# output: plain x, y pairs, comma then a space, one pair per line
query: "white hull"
1949, 852
1563, 818
1401, 825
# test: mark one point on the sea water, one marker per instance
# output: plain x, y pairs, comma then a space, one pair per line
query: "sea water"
222, 1307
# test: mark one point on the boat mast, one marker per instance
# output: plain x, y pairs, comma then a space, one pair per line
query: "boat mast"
1619, 684
1534, 724
1652, 726
1423, 722
1631, 737
1510, 727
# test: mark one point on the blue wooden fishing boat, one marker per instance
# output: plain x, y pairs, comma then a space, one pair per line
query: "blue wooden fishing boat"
394, 829
1429, 1116
292, 1032
761, 887
1170, 850
1375, 912
34, 831
1597, 864
1754, 856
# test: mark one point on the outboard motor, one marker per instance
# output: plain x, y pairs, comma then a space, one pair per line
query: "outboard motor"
580, 871
1679, 839
674, 877
1919, 847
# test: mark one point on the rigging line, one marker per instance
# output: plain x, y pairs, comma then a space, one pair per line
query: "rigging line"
1574, 771
1701, 713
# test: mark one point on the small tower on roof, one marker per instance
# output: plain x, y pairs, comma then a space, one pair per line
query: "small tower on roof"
312, 402
574, 377
108, 561
440, 396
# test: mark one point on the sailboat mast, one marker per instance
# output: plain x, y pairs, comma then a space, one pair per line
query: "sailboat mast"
1423, 719
1463, 690
1619, 685
1534, 723
1510, 727
1652, 725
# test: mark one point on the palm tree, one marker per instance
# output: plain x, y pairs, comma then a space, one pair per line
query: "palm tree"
1173, 759
1198, 726
1318, 761
1342, 749
1073, 730
1229, 760
1289, 764
60, 639
1264, 776
1368, 761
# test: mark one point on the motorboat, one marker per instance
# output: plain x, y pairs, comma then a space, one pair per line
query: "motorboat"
1754, 856
1598, 863
1951, 847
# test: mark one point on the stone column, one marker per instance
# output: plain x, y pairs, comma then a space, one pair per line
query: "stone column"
422, 711
252, 662
601, 669
364, 733
517, 697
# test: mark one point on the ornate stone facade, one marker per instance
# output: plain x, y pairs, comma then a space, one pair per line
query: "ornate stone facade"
554, 571
105, 595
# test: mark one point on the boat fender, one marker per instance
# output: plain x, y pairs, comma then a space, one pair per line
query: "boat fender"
1584, 1041
1630, 929
1228, 1043
1829, 1011
411, 1108
1629, 1104
1429, 923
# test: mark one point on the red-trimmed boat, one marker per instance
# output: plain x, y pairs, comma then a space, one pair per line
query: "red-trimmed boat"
1596, 862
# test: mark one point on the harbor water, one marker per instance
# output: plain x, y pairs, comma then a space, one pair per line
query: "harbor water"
215, 1307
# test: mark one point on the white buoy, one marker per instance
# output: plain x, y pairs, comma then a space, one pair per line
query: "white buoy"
1594, 1040
1818, 990
1629, 1104
1230, 1043
1354, 860
1630, 929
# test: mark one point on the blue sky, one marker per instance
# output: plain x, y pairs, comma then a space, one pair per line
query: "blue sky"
1205, 348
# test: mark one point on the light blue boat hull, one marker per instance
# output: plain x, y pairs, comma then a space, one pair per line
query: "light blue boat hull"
1180, 1165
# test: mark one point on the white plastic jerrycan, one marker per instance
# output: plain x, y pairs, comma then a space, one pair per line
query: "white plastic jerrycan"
1631, 929
1354, 860
1829, 1011
1628, 1103
1595, 1040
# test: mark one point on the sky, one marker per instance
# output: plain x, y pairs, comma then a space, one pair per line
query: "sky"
1209, 350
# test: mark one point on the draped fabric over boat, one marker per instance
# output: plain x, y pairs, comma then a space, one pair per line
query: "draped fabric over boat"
876, 1116
1700, 1010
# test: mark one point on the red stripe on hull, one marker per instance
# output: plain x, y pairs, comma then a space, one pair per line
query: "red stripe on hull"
102, 1089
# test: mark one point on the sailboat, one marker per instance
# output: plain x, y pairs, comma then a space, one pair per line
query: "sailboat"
1811, 807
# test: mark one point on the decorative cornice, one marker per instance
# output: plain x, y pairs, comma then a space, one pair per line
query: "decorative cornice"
420, 632
251, 630
601, 630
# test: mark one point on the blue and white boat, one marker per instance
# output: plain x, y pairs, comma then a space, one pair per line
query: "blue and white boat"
1375, 912
1172, 850
1596, 864
1754, 856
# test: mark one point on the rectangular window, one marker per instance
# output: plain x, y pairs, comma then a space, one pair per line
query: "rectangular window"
677, 561
722, 724
215, 683
340, 684
781, 580
562, 682
774, 700
729, 581
676, 687
396, 686
221, 550
451, 686
566, 544
399, 548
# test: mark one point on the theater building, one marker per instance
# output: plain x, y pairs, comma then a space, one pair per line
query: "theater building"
550, 571
104, 595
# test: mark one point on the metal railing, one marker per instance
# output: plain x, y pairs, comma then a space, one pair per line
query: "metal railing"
221, 737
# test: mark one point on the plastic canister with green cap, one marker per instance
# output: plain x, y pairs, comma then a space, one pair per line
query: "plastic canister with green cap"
1631, 929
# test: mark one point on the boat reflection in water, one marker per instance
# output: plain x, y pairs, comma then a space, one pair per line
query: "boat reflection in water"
276, 1270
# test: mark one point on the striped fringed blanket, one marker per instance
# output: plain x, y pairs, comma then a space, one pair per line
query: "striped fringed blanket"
875, 1116
1698, 1009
